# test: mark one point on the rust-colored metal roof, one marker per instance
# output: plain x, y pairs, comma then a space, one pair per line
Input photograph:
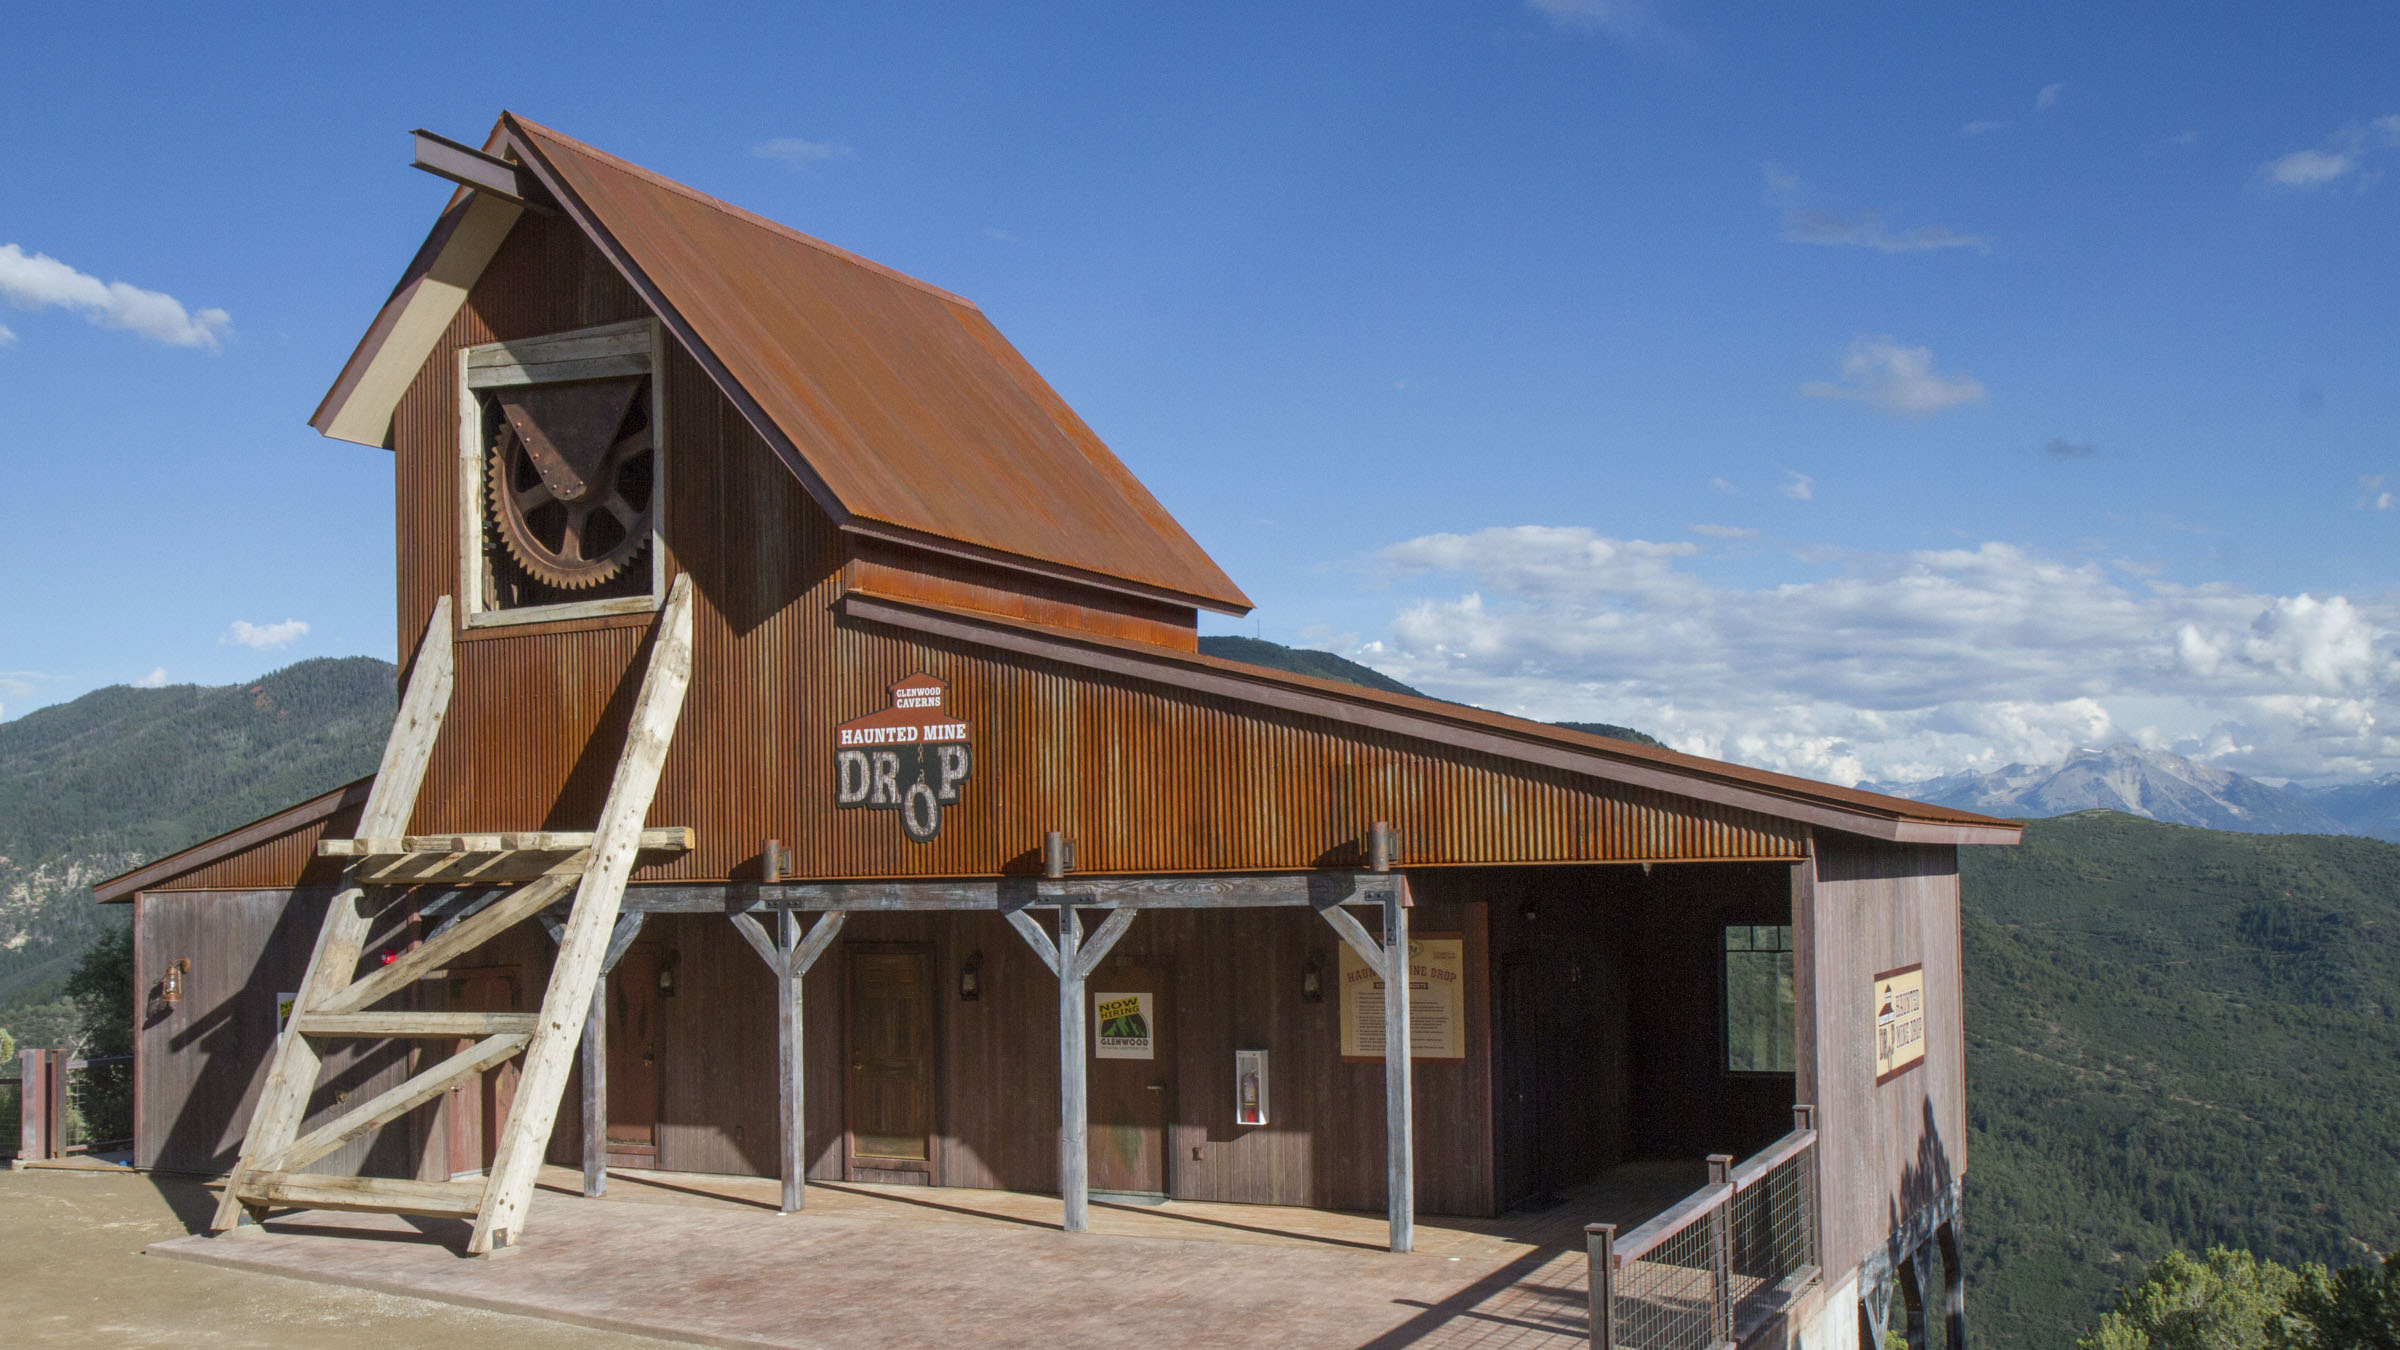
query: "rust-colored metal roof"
290, 821
912, 415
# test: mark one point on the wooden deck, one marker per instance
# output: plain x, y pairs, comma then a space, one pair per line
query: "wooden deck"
708, 1260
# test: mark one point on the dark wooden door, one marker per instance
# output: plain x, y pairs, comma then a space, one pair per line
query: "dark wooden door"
1127, 1124
890, 1044
636, 1044
1520, 1023
478, 1106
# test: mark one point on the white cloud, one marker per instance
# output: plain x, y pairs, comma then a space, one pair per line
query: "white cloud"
2372, 494
1881, 373
1805, 222
156, 679
7, 335
1627, 20
2308, 168
39, 281
1798, 486
1894, 666
266, 636
2049, 96
2345, 154
1724, 531
799, 154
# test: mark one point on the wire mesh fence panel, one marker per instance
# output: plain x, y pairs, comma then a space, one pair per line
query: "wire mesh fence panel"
99, 1112
1771, 1225
12, 1117
1668, 1298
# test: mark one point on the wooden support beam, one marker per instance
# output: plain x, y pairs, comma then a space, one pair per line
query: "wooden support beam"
292, 1074
1954, 1289
660, 839
401, 1023
790, 956
1237, 890
1036, 939
1399, 1101
594, 1050
385, 1195
1094, 949
451, 941
584, 943
1074, 1153
396, 1101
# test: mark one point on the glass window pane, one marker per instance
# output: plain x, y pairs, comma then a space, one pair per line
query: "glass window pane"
1761, 1000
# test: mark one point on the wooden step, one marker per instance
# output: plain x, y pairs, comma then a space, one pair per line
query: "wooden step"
416, 859
381, 1195
422, 1025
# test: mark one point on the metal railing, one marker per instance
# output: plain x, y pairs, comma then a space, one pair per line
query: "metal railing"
1701, 1274
65, 1105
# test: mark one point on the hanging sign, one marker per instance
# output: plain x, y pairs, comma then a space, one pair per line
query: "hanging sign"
1437, 1001
1899, 1022
910, 758
1124, 1026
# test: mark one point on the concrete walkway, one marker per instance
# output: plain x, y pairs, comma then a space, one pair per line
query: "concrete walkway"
707, 1259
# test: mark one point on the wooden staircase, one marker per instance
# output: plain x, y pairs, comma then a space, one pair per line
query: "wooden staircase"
543, 867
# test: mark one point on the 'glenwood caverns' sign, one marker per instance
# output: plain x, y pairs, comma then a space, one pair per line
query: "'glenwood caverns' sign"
909, 758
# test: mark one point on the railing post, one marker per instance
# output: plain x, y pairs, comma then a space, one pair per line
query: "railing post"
1805, 1118
1720, 1252
33, 1105
1599, 1246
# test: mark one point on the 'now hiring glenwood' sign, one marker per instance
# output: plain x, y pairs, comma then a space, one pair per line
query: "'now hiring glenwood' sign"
909, 758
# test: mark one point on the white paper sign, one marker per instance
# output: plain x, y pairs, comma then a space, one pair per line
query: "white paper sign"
1125, 1026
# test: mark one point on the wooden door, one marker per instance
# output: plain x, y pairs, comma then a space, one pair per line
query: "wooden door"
889, 1104
478, 1106
636, 1045
1127, 1124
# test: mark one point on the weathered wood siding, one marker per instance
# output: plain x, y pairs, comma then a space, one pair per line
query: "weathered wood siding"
1883, 1152
202, 1062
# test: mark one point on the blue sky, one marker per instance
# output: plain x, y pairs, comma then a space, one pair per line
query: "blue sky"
1865, 391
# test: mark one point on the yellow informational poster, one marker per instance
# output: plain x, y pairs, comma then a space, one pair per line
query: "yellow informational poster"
1899, 1022
1437, 1001
1122, 1026
283, 1011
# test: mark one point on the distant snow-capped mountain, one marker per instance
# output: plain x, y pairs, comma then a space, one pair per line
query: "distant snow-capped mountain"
2369, 807
2139, 782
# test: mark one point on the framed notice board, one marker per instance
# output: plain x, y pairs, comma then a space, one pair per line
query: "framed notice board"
1899, 1022
1437, 1001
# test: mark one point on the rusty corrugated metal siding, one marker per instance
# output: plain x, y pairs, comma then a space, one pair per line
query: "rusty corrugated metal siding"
288, 859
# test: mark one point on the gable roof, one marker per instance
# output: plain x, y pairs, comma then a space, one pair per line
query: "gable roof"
901, 408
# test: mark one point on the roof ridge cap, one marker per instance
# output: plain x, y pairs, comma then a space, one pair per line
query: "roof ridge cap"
661, 181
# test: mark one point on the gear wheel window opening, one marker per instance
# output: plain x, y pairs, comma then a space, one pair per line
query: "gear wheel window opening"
561, 483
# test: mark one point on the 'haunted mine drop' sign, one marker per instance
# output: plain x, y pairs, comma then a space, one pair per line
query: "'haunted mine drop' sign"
909, 758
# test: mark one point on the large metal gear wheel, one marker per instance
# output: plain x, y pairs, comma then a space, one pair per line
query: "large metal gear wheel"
569, 481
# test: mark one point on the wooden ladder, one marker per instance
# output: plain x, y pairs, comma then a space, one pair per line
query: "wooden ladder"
335, 1003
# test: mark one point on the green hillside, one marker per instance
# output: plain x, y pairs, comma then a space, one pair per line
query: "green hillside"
2175, 1037
124, 775
1327, 666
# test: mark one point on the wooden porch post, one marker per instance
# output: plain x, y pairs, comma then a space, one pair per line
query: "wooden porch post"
1399, 1116
595, 1093
1954, 1289
790, 956
1074, 1158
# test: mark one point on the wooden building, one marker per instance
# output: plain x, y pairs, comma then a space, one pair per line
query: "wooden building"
778, 637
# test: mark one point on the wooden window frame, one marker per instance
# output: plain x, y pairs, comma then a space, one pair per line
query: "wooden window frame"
631, 348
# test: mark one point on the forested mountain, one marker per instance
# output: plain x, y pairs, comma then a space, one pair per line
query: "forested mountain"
123, 775
1327, 666
2175, 1037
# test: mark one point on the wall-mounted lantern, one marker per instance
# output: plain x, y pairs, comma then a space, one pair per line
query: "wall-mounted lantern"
170, 985
1312, 979
970, 978
666, 975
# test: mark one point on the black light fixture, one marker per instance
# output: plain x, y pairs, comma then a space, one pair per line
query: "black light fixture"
666, 975
970, 978
1312, 978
